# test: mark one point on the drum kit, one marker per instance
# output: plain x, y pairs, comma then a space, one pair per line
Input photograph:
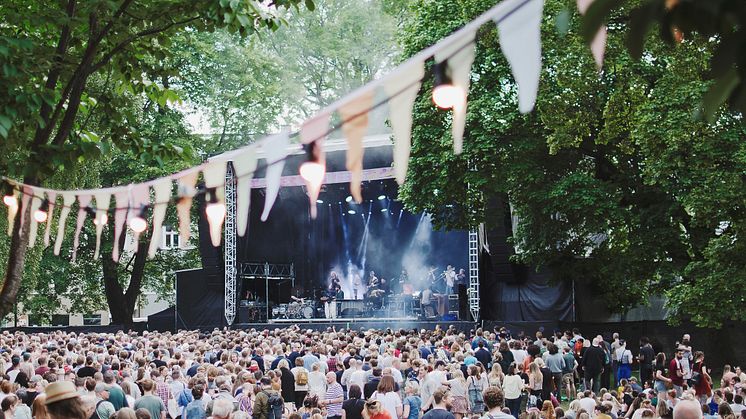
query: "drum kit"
295, 310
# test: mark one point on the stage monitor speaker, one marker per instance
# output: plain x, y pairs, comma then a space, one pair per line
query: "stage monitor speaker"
463, 302
351, 313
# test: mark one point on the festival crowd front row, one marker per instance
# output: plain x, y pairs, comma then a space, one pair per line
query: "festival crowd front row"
374, 374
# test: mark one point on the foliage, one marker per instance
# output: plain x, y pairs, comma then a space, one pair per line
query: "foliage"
613, 181
722, 21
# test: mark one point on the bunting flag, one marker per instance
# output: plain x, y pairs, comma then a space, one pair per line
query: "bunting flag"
139, 198
12, 212
275, 152
162, 189
402, 92
355, 116
186, 192
244, 165
460, 56
36, 200
214, 174
50, 213
28, 192
598, 44
68, 199
83, 202
103, 200
520, 42
122, 201
315, 129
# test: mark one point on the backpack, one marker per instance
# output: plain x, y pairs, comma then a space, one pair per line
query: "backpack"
275, 404
302, 378
475, 397
95, 411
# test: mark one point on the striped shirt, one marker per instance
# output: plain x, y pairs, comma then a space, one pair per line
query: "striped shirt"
334, 391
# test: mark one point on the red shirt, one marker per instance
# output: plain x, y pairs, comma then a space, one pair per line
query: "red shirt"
674, 367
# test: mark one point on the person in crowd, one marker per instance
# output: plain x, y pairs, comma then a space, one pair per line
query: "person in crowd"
676, 372
374, 410
63, 401
412, 403
150, 402
441, 404
353, 406
662, 381
494, 400
334, 397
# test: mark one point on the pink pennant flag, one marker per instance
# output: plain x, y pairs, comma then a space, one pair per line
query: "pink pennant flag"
186, 192
83, 202
315, 130
102, 207
402, 89
520, 42
460, 56
214, 174
598, 44
122, 200
36, 202
244, 165
355, 116
162, 190
48, 228
275, 152
68, 199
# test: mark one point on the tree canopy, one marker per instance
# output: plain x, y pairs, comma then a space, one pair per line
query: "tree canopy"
612, 178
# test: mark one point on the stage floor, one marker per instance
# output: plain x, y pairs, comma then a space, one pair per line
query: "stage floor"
359, 324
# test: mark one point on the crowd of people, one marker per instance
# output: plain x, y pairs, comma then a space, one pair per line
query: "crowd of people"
373, 374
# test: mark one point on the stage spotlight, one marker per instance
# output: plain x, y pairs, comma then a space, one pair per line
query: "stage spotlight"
351, 212
319, 201
445, 94
381, 197
348, 199
384, 209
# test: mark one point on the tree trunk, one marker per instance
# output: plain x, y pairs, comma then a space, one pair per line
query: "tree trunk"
16, 259
122, 303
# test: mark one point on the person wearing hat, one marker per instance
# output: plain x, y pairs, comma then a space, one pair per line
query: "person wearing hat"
104, 408
63, 401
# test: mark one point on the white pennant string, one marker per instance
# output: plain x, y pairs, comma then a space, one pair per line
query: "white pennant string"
402, 92
12, 212
102, 207
186, 192
162, 189
122, 202
36, 201
68, 199
598, 44
520, 42
50, 214
315, 129
355, 116
460, 56
244, 165
275, 152
214, 174
83, 202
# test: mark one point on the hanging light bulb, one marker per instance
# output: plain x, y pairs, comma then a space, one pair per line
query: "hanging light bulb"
100, 219
40, 215
138, 223
9, 197
445, 94
215, 211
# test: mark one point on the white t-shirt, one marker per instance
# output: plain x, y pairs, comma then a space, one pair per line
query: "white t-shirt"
589, 405
389, 401
317, 383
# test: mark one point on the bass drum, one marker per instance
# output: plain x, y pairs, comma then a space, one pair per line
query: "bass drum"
306, 312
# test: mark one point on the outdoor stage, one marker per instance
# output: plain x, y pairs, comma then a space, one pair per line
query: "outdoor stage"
359, 324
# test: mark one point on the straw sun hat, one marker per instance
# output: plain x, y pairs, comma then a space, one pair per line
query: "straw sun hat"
60, 390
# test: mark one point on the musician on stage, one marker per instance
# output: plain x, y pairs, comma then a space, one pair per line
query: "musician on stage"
373, 281
450, 279
357, 286
374, 296
330, 296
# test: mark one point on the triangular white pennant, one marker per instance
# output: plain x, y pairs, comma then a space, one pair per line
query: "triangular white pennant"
162, 189
48, 228
36, 202
139, 197
460, 56
402, 91
355, 116
214, 174
103, 200
185, 192
275, 152
244, 165
68, 199
12, 212
28, 192
83, 202
315, 129
598, 45
520, 42
122, 200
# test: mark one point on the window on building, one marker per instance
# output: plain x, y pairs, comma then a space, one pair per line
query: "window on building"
91, 320
170, 237
60, 320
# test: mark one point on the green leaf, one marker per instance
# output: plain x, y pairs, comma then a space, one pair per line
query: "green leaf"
595, 16
562, 21
719, 93
5, 122
310, 5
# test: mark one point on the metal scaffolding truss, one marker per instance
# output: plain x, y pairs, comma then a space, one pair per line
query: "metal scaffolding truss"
474, 275
230, 245
257, 270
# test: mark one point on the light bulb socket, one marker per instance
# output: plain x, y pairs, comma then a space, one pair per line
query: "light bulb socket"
440, 74
212, 195
313, 152
44, 207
